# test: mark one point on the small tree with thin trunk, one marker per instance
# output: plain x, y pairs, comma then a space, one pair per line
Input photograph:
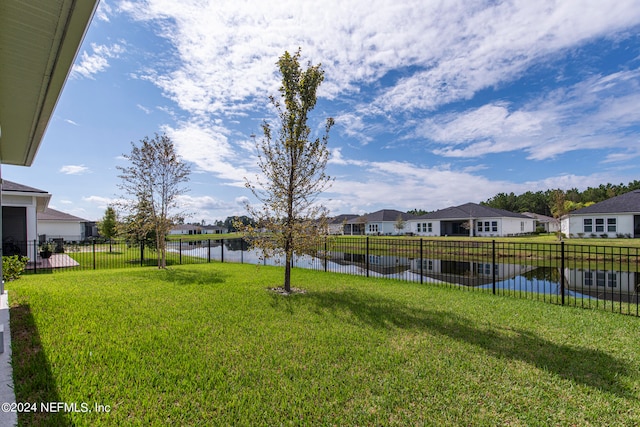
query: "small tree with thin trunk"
293, 167
108, 227
154, 179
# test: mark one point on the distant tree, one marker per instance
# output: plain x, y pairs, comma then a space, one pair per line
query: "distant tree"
137, 227
154, 179
293, 168
417, 212
232, 221
108, 227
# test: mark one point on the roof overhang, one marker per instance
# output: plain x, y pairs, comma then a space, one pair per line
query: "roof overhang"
39, 40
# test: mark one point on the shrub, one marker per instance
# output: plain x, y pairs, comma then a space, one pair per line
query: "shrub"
13, 266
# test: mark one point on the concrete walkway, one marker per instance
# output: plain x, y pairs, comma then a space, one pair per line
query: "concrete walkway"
7, 394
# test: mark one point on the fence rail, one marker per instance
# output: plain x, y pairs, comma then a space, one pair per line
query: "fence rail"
589, 276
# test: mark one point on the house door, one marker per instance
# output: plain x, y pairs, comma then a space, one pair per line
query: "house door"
14, 230
636, 226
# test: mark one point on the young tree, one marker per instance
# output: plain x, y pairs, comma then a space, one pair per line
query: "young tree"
293, 168
155, 177
108, 227
400, 223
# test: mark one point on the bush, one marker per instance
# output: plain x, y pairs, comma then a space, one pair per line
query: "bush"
13, 266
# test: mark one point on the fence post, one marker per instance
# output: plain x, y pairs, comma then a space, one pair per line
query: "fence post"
493, 265
180, 250
366, 256
241, 251
221, 250
324, 255
208, 250
562, 270
142, 254
35, 256
421, 263
93, 251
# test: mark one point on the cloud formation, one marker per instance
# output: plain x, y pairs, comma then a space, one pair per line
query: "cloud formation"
91, 64
74, 169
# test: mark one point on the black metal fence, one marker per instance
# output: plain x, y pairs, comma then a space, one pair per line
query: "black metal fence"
589, 276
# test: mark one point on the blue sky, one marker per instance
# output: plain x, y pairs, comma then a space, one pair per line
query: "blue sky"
436, 103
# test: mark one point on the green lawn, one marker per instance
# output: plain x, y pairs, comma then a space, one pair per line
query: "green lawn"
210, 345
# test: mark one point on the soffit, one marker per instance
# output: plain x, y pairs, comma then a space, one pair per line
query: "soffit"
39, 40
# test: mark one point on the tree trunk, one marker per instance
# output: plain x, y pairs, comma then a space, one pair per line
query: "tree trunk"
287, 273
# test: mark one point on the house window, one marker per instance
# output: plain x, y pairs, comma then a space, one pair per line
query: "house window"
487, 226
428, 264
429, 227
494, 226
588, 278
612, 280
611, 225
480, 226
600, 278
373, 228
424, 227
522, 226
599, 225
587, 225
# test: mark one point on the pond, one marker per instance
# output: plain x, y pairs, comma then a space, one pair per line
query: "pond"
580, 283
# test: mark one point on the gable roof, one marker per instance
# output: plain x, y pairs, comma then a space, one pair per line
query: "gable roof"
384, 215
470, 210
54, 215
20, 188
624, 203
540, 217
341, 218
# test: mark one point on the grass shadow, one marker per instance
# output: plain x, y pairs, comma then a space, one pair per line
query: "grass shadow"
184, 277
32, 376
591, 367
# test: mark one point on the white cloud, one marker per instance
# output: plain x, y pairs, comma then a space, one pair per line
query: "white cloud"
227, 50
143, 108
92, 64
71, 122
74, 169
103, 11
207, 146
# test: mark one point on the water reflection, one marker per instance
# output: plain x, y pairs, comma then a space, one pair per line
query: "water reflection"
582, 283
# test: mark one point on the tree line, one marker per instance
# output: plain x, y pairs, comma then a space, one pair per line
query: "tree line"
556, 202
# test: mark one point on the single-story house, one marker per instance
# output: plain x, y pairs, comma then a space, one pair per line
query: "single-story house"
382, 222
549, 224
614, 217
53, 224
214, 229
20, 207
471, 219
338, 224
185, 229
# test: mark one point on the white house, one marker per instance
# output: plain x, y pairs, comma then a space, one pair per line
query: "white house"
550, 224
382, 222
185, 230
53, 224
338, 224
20, 206
471, 219
615, 217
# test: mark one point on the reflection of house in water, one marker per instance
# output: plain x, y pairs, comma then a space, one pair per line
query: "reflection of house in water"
378, 263
468, 273
604, 284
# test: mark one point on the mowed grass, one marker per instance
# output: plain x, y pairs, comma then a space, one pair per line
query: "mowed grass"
210, 345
